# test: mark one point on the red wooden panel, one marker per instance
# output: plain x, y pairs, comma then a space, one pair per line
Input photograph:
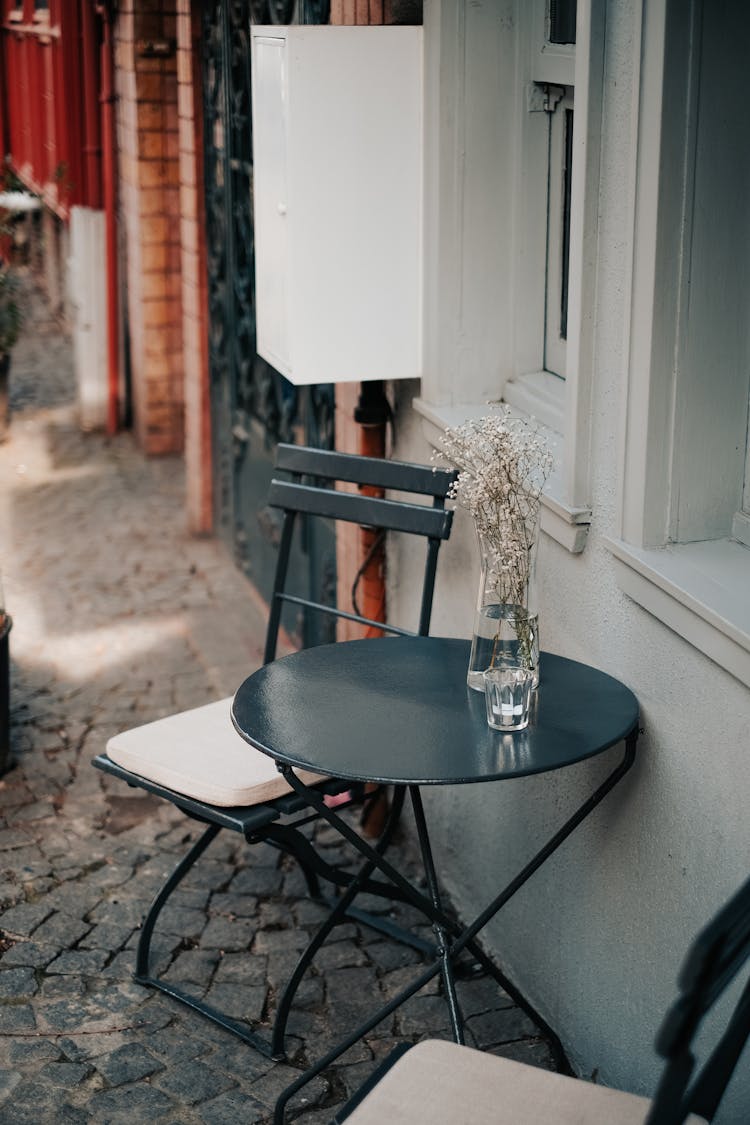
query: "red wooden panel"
50, 157
49, 84
92, 139
27, 75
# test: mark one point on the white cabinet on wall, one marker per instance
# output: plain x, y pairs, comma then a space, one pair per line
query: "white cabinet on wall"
337, 158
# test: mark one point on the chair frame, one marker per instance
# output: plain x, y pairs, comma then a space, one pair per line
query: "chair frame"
308, 493
716, 957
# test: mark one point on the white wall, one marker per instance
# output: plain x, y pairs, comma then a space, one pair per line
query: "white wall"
596, 938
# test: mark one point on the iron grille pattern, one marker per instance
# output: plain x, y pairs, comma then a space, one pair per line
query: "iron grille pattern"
252, 406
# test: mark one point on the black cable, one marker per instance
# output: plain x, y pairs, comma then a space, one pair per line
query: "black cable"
375, 546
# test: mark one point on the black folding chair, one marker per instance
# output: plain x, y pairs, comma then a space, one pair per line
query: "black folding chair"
446, 1084
197, 761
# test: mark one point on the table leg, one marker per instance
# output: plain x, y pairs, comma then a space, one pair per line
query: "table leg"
457, 1023
463, 939
336, 915
411, 894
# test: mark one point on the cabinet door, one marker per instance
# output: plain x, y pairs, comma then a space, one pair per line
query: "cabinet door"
338, 126
270, 107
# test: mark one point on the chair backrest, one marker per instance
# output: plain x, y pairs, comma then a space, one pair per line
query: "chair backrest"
309, 491
715, 958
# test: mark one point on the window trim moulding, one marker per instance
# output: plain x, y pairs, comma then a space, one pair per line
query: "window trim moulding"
566, 524
699, 590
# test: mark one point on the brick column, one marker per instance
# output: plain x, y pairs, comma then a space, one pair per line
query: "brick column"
376, 11
147, 137
198, 466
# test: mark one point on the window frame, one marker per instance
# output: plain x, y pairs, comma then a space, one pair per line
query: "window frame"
527, 391
455, 385
741, 521
698, 588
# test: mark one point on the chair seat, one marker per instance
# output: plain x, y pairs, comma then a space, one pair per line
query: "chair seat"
445, 1084
199, 754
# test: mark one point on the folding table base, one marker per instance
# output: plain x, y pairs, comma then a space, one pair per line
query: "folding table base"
452, 939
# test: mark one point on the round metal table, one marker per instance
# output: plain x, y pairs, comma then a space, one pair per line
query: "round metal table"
398, 711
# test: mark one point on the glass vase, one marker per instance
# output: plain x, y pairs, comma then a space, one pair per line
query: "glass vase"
506, 632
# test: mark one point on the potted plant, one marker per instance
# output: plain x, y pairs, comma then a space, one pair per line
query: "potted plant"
11, 319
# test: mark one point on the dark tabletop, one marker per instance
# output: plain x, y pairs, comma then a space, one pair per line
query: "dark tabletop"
397, 709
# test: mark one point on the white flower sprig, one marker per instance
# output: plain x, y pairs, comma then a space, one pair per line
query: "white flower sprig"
502, 465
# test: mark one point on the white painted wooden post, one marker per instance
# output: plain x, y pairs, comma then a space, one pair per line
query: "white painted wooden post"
87, 294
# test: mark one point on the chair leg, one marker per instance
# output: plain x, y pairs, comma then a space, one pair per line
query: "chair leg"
313, 883
373, 921
291, 842
282, 844
334, 919
338, 913
143, 954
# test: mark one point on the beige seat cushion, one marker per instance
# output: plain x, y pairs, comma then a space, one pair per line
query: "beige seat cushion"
199, 754
443, 1084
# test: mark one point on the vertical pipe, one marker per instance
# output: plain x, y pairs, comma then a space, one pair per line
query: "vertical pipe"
107, 99
371, 414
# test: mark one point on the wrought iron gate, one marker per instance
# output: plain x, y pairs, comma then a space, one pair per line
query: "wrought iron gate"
253, 406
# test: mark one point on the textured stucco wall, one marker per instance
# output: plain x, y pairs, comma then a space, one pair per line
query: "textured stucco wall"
596, 938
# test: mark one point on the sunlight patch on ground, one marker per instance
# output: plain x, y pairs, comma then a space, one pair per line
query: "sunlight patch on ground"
81, 655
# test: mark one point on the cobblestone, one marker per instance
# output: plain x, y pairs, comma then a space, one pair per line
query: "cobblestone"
119, 617
15, 983
128, 1063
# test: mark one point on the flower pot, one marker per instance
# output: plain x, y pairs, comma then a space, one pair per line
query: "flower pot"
5, 627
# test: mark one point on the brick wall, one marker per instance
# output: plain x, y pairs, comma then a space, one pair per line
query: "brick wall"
356, 11
376, 11
149, 166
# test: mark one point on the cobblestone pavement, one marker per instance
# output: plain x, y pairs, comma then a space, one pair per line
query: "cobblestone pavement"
119, 618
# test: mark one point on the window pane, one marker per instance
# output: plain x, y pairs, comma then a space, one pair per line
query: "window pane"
567, 181
560, 177
745, 523
562, 21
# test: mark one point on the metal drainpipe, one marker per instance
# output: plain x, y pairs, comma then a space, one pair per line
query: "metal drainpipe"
371, 413
107, 99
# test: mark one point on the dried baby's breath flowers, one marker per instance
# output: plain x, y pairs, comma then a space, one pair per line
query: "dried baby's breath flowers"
502, 465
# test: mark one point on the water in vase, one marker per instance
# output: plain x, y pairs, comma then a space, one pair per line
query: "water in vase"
503, 632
